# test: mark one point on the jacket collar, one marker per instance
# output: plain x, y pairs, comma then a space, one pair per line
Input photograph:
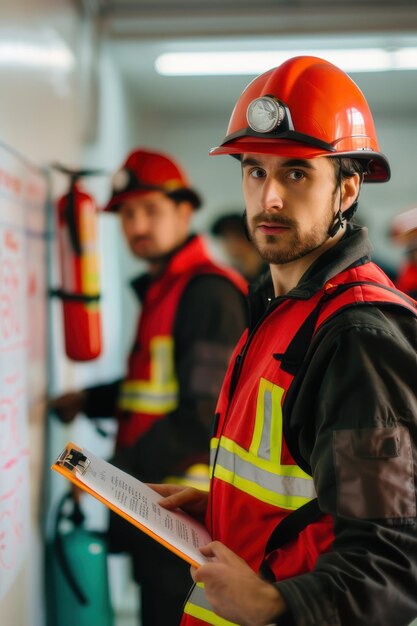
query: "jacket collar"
184, 257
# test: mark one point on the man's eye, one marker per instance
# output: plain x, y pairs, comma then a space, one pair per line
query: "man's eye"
257, 172
127, 214
296, 175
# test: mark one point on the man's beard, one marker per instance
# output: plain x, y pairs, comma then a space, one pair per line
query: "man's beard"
149, 254
279, 250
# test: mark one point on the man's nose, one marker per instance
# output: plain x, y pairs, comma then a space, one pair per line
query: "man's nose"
272, 194
139, 224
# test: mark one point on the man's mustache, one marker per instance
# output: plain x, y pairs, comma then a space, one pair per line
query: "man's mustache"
277, 220
139, 238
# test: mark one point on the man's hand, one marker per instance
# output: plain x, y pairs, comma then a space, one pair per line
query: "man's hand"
192, 501
68, 406
234, 591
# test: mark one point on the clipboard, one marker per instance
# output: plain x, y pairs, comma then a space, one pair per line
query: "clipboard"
135, 501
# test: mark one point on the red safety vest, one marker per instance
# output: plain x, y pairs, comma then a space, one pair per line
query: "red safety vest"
256, 483
150, 389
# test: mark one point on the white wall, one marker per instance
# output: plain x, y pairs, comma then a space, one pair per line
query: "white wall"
39, 68
39, 117
51, 85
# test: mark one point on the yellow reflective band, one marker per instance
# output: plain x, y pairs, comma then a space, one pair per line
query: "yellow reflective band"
284, 486
283, 501
268, 466
158, 395
199, 607
144, 397
259, 471
162, 360
268, 422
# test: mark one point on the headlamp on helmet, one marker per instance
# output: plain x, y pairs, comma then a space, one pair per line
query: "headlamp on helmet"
265, 114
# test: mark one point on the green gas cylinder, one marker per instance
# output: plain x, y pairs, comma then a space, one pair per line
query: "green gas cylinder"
77, 584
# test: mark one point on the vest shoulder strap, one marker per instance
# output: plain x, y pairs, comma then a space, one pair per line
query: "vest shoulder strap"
384, 295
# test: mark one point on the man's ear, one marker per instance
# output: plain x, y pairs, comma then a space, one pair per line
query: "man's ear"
350, 190
185, 208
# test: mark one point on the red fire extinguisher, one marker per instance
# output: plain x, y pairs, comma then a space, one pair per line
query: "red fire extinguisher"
79, 260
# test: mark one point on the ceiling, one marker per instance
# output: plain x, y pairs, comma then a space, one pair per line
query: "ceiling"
140, 30
185, 18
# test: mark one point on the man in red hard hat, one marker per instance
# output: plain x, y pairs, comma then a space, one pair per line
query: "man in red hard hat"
193, 312
312, 501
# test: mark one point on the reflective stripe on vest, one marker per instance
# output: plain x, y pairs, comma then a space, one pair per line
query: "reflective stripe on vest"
159, 394
199, 607
258, 471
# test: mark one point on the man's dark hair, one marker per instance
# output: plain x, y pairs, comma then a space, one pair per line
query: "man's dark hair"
186, 195
345, 167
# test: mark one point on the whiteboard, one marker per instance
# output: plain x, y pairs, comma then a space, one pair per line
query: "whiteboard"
24, 191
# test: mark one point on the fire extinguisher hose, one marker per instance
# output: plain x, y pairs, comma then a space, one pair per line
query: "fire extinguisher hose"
74, 297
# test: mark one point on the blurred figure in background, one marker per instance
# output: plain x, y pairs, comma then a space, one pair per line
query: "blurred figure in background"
404, 233
378, 257
193, 313
232, 233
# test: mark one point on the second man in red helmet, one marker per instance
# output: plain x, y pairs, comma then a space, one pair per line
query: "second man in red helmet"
193, 312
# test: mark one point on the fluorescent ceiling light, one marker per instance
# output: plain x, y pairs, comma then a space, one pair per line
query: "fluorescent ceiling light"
258, 61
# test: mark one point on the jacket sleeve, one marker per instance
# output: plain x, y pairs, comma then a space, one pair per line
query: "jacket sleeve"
101, 400
210, 319
356, 421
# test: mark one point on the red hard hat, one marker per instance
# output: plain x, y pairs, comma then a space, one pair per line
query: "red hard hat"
145, 171
305, 108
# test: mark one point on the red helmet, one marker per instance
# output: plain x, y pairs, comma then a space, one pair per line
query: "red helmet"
145, 171
305, 108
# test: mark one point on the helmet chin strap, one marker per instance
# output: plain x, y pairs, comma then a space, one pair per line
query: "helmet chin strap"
337, 224
340, 217
338, 220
